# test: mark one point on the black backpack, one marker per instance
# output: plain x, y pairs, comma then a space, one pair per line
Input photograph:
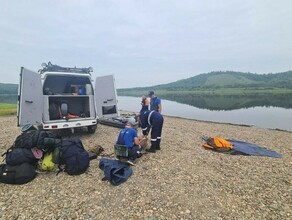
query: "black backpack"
74, 156
55, 111
43, 140
17, 156
27, 139
19, 174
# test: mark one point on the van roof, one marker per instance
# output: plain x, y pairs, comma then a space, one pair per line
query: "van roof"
55, 68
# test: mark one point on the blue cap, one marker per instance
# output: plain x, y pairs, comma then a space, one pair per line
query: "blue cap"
150, 93
27, 127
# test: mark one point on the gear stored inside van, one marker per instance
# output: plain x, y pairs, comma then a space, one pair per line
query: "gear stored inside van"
64, 97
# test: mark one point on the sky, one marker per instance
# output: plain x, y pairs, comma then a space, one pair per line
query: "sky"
146, 43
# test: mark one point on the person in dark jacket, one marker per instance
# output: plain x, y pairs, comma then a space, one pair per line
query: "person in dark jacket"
152, 120
145, 104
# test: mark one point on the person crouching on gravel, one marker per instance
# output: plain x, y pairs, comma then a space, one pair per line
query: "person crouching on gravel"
128, 136
152, 120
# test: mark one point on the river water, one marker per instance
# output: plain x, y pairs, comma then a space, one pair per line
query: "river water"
272, 117
263, 117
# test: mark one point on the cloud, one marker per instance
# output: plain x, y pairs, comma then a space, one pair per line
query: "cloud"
146, 42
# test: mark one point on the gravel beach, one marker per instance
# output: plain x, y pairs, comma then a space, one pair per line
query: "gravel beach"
182, 181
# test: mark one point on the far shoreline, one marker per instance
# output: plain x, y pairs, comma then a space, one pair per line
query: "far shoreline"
124, 112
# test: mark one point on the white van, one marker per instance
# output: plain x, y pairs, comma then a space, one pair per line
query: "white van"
63, 97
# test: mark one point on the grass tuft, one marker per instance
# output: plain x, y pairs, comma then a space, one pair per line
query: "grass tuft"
7, 109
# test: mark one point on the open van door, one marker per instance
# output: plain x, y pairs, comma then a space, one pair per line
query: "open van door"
106, 97
30, 98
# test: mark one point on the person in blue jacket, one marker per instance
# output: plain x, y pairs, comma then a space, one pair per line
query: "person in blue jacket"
155, 102
152, 120
128, 136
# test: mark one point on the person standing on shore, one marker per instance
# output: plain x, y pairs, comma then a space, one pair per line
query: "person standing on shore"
145, 107
152, 120
155, 102
145, 104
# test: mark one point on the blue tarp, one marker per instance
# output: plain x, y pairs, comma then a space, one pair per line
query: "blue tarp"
115, 171
251, 149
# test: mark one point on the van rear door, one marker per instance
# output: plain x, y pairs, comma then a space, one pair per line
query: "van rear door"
106, 97
30, 98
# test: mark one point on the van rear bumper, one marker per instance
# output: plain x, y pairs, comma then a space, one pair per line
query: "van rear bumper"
63, 124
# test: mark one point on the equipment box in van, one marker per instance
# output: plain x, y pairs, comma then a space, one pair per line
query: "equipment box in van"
63, 97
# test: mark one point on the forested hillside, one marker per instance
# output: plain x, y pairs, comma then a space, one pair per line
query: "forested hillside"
207, 81
6, 88
220, 80
233, 80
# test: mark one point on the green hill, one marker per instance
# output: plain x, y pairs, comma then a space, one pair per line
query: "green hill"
223, 82
7, 88
230, 79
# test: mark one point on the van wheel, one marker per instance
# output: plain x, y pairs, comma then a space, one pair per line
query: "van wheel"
91, 129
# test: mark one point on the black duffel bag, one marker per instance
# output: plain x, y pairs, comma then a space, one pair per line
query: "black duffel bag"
19, 174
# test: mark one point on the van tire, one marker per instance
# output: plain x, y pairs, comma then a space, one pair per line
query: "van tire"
91, 129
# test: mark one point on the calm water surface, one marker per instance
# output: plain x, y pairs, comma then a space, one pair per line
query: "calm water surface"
264, 117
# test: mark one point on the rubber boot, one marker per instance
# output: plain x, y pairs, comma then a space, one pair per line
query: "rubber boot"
158, 144
152, 148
